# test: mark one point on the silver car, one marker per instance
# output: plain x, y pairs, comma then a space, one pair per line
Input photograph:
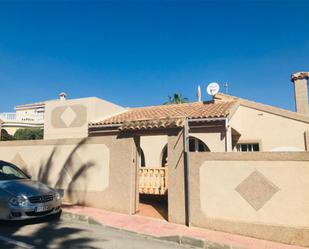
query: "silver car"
22, 198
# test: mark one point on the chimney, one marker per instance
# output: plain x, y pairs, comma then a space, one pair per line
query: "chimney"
301, 91
62, 96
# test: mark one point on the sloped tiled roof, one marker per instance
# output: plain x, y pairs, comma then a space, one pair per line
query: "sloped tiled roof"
164, 116
190, 110
152, 124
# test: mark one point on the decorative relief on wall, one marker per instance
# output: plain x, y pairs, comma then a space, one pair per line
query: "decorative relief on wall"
69, 116
86, 167
257, 190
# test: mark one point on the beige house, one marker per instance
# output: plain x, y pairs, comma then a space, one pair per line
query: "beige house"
225, 124
229, 164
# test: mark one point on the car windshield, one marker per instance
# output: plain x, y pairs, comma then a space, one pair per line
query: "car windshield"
10, 172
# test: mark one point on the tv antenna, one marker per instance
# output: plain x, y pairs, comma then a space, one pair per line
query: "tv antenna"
226, 87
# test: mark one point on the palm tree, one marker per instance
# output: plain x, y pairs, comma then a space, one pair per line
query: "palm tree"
176, 99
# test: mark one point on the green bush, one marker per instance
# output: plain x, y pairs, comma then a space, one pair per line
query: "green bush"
28, 134
23, 134
5, 136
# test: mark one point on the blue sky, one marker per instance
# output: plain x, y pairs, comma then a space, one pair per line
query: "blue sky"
136, 53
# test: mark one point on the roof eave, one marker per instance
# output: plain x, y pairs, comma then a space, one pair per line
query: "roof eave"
263, 107
275, 111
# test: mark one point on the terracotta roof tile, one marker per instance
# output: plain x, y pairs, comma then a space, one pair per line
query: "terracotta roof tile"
153, 124
189, 110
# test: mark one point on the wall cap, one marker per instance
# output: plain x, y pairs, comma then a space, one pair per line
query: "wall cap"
300, 76
250, 156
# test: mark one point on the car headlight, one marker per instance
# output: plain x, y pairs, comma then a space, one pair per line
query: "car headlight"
57, 196
20, 200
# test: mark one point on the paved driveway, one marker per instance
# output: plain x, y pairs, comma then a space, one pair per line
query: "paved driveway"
51, 233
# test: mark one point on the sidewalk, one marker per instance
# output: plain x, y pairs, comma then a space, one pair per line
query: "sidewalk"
160, 228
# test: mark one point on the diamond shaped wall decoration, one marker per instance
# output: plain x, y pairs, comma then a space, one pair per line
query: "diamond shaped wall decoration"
68, 116
72, 116
257, 190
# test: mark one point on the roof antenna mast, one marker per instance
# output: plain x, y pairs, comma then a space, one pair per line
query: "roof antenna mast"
226, 87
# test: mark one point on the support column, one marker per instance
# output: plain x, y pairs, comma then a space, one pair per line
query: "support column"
176, 177
307, 140
228, 139
135, 174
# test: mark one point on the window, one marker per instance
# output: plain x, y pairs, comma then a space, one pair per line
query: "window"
248, 147
197, 145
10, 172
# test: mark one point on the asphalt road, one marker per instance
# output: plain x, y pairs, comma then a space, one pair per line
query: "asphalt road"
54, 233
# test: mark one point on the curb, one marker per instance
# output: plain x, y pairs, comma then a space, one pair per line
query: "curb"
93, 222
182, 240
200, 243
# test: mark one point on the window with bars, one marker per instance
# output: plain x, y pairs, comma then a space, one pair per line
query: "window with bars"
248, 147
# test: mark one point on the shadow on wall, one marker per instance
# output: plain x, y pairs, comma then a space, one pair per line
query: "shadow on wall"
69, 168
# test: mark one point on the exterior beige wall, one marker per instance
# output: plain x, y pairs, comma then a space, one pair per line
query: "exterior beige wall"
96, 172
70, 118
153, 147
214, 138
264, 195
176, 178
275, 133
103, 108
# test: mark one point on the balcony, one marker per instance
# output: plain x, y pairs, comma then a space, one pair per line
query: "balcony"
153, 181
13, 117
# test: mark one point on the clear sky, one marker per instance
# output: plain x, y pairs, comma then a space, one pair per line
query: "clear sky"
136, 53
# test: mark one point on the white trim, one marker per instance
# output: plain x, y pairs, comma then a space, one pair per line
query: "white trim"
5, 124
248, 145
206, 119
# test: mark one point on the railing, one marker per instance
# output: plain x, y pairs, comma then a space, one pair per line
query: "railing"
21, 117
153, 181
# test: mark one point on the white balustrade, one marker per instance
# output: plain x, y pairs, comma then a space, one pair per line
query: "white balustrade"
21, 117
153, 180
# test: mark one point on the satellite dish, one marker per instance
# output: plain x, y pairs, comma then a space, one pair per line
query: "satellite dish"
213, 88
